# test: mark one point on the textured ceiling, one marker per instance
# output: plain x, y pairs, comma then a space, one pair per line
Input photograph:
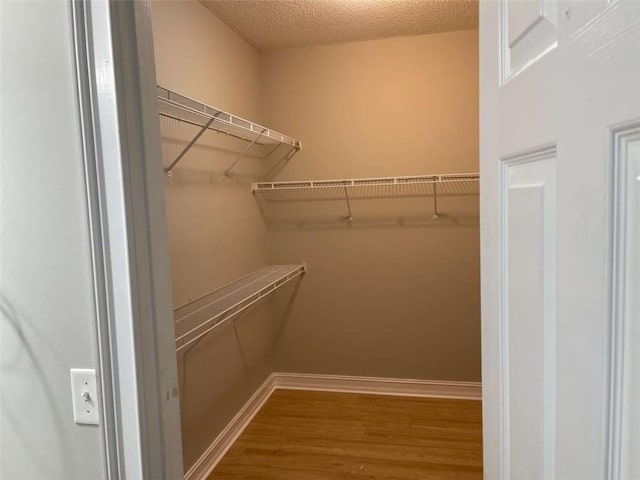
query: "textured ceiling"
268, 24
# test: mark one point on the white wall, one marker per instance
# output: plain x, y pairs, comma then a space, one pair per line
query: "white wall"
46, 308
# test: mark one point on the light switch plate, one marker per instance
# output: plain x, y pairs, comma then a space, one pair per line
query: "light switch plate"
84, 393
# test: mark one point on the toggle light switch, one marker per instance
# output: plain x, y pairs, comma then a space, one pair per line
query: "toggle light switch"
84, 393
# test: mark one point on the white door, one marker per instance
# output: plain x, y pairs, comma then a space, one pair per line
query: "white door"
560, 206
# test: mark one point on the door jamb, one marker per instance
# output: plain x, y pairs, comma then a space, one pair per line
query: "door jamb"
116, 85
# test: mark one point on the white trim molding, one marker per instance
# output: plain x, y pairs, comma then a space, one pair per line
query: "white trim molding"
138, 379
625, 263
379, 386
223, 442
325, 383
529, 175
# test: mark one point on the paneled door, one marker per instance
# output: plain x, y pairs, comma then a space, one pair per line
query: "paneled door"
560, 211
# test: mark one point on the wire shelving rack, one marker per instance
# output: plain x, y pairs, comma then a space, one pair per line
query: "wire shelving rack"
202, 315
187, 110
370, 188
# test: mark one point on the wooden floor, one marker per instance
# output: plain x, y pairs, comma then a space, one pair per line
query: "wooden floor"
302, 435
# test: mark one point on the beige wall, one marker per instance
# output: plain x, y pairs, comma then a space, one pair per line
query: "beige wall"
215, 229
385, 296
216, 233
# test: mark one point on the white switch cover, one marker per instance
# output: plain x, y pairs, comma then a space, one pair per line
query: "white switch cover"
85, 396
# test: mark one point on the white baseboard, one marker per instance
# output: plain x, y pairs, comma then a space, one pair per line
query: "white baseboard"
328, 383
212, 455
379, 386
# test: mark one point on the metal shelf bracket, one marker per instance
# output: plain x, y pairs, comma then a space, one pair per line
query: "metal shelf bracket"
183, 109
243, 153
282, 160
436, 216
437, 186
346, 197
200, 316
204, 128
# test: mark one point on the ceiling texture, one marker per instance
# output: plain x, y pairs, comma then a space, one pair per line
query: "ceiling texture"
270, 24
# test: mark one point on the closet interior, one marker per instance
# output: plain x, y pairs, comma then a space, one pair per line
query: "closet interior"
322, 207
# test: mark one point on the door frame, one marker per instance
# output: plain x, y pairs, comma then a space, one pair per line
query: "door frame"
116, 87
616, 257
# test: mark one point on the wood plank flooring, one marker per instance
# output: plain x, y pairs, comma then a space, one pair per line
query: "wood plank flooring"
304, 435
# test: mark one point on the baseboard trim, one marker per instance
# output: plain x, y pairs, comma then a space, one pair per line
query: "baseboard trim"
212, 455
327, 383
379, 386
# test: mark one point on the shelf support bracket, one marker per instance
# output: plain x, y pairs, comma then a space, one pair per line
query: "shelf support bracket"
346, 197
281, 161
289, 155
273, 150
243, 153
169, 169
436, 216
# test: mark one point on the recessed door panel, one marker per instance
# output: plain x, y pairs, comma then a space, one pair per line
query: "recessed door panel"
560, 331
525, 329
625, 427
529, 30
633, 302
528, 319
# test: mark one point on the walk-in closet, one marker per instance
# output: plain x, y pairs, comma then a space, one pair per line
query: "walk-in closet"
321, 195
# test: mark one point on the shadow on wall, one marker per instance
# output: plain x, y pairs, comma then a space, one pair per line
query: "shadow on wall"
237, 324
216, 370
288, 292
185, 176
19, 364
221, 365
222, 153
369, 212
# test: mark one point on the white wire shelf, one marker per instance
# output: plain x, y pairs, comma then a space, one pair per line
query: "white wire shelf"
187, 110
198, 317
370, 188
